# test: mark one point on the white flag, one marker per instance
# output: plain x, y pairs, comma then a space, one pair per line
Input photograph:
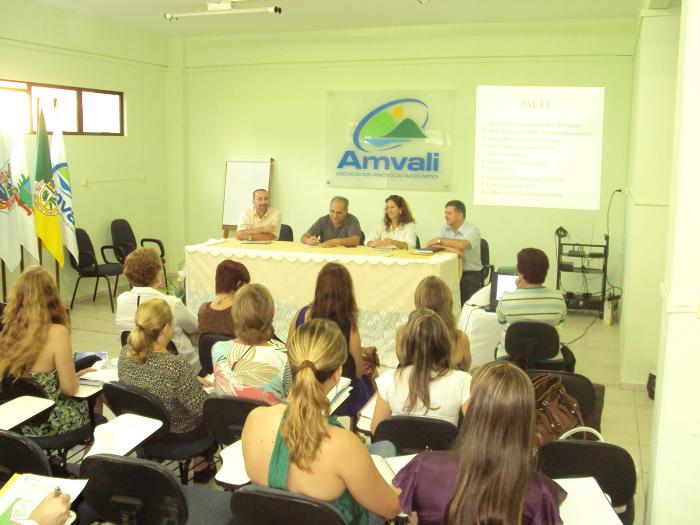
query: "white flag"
61, 179
16, 208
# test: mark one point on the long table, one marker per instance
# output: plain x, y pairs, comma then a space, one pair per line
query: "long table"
384, 281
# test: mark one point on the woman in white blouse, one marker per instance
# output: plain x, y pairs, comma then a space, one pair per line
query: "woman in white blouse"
397, 228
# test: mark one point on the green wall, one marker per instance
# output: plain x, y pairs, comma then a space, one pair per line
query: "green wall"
126, 176
264, 96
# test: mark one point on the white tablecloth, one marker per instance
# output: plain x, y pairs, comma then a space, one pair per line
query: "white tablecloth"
384, 281
482, 327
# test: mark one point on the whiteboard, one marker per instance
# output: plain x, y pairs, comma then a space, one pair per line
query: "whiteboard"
538, 146
243, 177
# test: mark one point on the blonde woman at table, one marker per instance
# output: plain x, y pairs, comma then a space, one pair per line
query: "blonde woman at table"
35, 343
424, 384
489, 474
397, 228
298, 447
433, 293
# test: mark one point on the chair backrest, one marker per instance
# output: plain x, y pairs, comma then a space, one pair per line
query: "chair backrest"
413, 434
128, 399
86, 252
123, 238
417, 242
528, 342
20, 454
286, 233
206, 341
255, 504
485, 257
125, 490
577, 386
610, 465
362, 238
225, 416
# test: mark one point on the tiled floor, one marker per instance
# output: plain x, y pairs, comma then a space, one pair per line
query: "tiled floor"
627, 412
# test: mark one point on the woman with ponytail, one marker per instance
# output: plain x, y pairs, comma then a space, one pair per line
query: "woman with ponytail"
488, 477
145, 363
35, 343
298, 447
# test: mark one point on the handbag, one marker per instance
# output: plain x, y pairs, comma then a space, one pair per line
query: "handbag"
555, 410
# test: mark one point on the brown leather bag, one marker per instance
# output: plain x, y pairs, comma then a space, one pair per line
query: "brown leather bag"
556, 411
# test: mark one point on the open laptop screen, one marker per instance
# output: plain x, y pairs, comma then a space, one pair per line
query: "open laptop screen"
506, 283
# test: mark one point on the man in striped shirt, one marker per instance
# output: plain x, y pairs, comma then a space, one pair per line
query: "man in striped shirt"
532, 301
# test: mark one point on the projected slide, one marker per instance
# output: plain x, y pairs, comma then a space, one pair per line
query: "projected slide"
538, 146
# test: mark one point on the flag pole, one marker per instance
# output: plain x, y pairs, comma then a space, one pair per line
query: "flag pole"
4, 283
21, 258
40, 244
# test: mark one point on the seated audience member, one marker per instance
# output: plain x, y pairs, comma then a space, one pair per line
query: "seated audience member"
334, 299
259, 222
145, 363
424, 384
338, 228
434, 294
298, 447
35, 344
253, 365
532, 301
143, 269
464, 239
215, 316
397, 228
489, 474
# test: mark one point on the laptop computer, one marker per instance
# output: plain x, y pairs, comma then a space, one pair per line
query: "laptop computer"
502, 281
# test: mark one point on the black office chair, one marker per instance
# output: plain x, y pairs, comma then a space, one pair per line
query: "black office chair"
529, 343
417, 243
487, 268
362, 238
256, 504
87, 266
124, 240
286, 233
206, 342
19, 454
131, 491
162, 445
225, 416
611, 466
59, 443
413, 434
581, 389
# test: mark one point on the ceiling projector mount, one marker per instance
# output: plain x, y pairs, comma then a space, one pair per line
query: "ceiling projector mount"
224, 8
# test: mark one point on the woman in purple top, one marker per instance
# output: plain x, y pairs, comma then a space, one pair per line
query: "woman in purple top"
488, 476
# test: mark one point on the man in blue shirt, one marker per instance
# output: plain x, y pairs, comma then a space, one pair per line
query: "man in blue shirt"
464, 239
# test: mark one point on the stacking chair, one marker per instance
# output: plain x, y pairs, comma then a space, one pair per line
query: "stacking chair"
531, 343
206, 341
124, 240
225, 416
87, 266
256, 504
19, 454
487, 269
413, 434
59, 443
131, 491
163, 445
286, 233
611, 466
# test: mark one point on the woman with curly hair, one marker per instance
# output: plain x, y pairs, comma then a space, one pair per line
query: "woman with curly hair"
397, 228
143, 269
35, 343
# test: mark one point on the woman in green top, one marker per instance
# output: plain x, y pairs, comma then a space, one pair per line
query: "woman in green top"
297, 447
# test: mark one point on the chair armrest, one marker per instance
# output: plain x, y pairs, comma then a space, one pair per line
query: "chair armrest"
155, 241
114, 249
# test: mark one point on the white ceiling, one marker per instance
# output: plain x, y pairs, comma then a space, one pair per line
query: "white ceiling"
305, 15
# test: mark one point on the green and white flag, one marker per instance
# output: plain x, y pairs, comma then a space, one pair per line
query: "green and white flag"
16, 205
61, 179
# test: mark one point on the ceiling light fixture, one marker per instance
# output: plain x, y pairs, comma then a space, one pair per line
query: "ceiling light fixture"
224, 8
